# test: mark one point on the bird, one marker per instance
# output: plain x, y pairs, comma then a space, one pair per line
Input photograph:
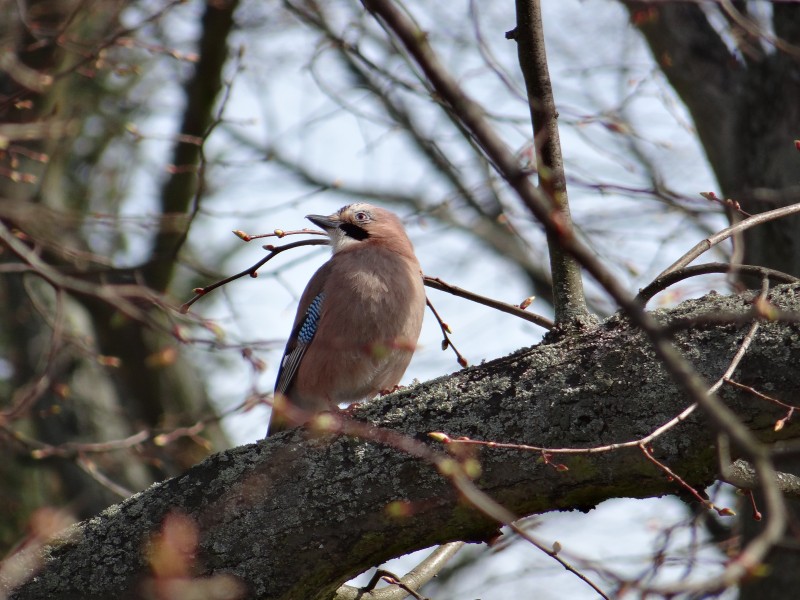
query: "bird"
358, 320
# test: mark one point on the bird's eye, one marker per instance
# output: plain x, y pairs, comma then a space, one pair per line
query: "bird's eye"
361, 217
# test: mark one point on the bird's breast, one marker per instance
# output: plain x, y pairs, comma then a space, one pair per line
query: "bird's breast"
370, 286
368, 329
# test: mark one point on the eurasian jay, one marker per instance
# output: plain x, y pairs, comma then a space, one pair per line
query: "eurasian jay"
359, 317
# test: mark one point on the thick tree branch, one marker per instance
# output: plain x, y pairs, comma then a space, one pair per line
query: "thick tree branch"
296, 516
742, 474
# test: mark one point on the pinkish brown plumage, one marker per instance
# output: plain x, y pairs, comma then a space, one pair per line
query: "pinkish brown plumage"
359, 317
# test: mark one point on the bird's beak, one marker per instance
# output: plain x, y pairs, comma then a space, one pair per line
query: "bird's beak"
326, 223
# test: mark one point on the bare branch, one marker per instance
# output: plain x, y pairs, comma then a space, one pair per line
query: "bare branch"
414, 579
742, 474
570, 302
723, 235
447, 342
663, 281
438, 284
251, 271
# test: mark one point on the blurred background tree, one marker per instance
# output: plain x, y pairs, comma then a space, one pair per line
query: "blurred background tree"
135, 136
91, 355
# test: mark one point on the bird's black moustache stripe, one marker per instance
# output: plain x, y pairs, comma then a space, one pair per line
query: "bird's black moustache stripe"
354, 231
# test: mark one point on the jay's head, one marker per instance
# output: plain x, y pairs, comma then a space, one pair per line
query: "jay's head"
362, 224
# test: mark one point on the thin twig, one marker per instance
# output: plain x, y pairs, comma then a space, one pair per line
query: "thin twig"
278, 233
446, 331
780, 423
487, 505
127, 299
720, 236
438, 284
757, 31
90, 467
663, 281
730, 205
42, 450
758, 394
251, 271
432, 282
71, 449
674, 476
391, 579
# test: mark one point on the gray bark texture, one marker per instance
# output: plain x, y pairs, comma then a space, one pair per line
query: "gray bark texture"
298, 514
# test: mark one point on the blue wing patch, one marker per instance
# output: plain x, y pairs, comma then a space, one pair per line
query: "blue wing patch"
304, 334
309, 326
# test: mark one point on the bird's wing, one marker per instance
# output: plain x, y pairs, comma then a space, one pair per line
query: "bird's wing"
306, 324
299, 341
